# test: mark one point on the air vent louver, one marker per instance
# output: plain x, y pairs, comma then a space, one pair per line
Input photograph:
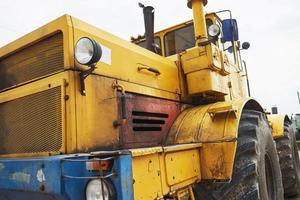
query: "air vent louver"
40, 59
148, 121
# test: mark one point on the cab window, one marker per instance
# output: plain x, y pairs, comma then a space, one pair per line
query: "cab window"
179, 40
156, 41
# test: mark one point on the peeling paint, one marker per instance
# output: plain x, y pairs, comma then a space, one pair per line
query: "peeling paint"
40, 176
2, 166
21, 177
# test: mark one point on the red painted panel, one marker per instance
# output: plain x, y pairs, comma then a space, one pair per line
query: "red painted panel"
148, 120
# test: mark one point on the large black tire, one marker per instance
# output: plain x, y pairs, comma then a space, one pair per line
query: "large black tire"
256, 173
289, 161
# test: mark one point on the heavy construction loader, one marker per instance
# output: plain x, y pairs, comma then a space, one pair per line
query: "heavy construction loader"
86, 115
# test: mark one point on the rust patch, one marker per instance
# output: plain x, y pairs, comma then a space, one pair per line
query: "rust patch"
219, 169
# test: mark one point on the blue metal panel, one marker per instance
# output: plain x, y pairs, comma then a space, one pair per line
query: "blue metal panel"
35, 175
61, 177
124, 180
73, 173
230, 30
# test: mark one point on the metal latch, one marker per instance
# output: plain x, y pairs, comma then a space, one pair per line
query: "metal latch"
221, 108
119, 87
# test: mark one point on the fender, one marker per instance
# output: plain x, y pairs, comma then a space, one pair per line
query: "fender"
216, 127
277, 123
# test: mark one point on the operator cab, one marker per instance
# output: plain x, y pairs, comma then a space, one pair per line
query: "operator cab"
181, 37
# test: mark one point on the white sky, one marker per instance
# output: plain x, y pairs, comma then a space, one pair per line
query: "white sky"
271, 26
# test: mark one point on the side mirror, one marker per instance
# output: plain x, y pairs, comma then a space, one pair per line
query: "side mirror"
245, 45
230, 49
157, 49
230, 30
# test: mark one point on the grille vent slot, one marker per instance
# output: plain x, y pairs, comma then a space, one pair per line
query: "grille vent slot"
148, 121
40, 59
32, 124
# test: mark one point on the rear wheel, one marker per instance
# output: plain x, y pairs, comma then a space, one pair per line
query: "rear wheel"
289, 161
256, 173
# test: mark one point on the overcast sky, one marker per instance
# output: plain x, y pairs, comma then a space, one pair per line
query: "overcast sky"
271, 26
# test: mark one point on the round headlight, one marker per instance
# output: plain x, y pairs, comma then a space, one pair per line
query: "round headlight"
214, 30
97, 190
87, 51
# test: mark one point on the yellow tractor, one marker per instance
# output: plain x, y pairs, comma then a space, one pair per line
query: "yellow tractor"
87, 115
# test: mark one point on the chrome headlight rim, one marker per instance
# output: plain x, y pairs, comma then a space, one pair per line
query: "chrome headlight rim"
214, 30
107, 185
90, 47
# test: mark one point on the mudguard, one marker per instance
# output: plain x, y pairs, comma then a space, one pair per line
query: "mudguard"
277, 123
216, 127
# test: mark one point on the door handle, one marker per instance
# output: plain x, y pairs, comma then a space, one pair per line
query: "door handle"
150, 69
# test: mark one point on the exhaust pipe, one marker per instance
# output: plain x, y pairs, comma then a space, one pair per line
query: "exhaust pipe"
274, 110
199, 20
149, 26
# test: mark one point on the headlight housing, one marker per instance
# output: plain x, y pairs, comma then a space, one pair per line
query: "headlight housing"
87, 51
214, 30
98, 190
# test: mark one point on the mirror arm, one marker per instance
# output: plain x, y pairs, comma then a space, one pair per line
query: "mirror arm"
240, 60
247, 78
229, 11
207, 42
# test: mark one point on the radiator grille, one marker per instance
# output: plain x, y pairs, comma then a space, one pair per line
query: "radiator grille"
43, 58
32, 124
